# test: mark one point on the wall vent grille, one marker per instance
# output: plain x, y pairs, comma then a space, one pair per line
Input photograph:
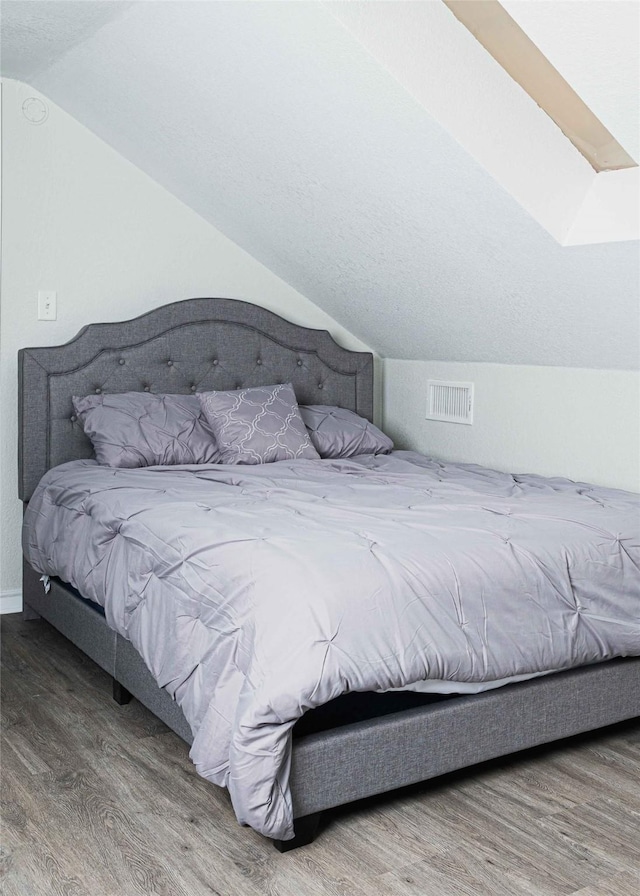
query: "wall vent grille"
450, 402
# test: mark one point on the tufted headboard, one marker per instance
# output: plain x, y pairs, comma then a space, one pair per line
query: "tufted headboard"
188, 346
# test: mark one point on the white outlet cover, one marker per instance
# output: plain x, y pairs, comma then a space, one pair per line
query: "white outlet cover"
47, 305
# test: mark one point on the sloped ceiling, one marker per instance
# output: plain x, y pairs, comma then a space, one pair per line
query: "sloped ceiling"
275, 124
36, 34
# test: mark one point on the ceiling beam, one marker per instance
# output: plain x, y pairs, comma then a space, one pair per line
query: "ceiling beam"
504, 39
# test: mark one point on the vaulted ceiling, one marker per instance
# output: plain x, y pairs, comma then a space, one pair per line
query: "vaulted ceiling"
281, 128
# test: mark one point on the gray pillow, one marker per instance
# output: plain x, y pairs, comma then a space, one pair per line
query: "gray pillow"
336, 432
140, 429
258, 425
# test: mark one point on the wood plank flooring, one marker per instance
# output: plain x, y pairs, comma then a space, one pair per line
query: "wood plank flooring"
101, 799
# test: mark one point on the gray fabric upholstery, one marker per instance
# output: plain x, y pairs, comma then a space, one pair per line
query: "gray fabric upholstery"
79, 620
84, 625
258, 425
189, 346
131, 672
349, 763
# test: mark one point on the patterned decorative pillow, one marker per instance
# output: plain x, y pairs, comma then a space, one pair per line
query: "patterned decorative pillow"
258, 425
337, 432
140, 429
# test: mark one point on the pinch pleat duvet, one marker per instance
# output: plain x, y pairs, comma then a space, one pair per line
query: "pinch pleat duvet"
255, 593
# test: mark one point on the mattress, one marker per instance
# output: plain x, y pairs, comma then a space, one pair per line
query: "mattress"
256, 593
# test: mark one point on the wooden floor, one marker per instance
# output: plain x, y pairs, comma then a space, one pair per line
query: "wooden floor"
101, 800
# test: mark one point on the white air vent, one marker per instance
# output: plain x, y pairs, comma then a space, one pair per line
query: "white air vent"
451, 402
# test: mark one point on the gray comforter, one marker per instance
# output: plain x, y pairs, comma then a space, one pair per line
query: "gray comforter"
256, 592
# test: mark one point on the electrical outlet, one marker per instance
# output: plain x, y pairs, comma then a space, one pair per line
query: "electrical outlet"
47, 305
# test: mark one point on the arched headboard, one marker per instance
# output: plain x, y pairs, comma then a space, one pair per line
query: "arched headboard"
188, 346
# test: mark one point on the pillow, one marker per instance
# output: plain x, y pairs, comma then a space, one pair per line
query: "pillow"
258, 425
336, 432
140, 429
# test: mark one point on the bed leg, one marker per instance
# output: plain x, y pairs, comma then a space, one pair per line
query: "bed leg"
305, 830
120, 694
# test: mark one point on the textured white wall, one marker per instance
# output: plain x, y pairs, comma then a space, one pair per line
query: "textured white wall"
80, 219
441, 64
611, 207
556, 421
273, 122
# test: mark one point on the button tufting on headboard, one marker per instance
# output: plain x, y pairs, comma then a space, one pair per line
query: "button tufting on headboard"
220, 344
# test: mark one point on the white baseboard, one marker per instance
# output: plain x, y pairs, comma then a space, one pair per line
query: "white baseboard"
11, 601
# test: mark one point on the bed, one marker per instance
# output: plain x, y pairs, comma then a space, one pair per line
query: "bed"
348, 746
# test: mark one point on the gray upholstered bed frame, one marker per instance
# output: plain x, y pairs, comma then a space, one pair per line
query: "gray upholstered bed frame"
202, 344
